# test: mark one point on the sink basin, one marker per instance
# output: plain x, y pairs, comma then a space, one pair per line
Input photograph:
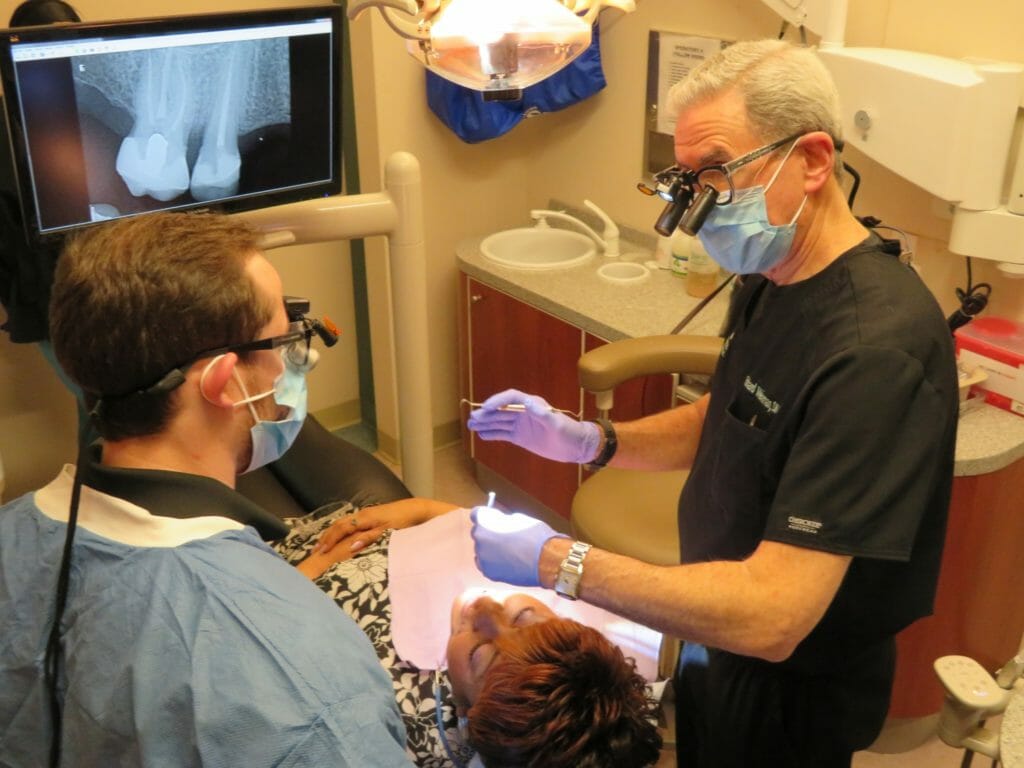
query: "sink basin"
538, 248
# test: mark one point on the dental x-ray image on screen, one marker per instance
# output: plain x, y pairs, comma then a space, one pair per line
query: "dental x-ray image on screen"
117, 119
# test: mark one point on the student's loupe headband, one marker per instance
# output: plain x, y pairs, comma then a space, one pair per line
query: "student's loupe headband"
296, 344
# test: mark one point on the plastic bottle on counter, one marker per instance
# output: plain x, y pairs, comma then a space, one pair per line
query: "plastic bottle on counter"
702, 271
663, 252
680, 247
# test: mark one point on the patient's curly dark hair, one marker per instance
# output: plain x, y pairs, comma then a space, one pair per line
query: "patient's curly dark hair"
561, 695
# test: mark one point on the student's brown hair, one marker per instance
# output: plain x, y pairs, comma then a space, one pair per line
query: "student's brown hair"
134, 298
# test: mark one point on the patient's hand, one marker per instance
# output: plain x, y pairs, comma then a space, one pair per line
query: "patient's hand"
318, 562
351, 533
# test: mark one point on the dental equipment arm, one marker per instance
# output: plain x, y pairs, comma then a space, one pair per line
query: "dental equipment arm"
397, 213
408, 25
1011, 670
590, 9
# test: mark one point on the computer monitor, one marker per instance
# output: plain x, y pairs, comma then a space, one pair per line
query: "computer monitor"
232, 111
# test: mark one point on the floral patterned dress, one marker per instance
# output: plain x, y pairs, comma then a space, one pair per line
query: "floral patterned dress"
360, 588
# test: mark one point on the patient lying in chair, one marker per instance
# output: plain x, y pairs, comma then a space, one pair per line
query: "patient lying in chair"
530, 688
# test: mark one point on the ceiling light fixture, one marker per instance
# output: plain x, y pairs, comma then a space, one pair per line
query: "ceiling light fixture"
498, 47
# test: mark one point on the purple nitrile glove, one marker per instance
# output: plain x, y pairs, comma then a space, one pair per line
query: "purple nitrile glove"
508, 545
538, 428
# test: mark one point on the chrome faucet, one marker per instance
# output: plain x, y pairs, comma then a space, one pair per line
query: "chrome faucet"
609, 243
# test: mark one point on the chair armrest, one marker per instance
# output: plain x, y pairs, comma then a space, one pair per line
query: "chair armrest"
604, 368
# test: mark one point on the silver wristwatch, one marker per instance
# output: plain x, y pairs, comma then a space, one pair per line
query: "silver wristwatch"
567, 583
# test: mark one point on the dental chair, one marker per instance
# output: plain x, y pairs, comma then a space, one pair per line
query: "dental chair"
973, 696
627, 511
320, 469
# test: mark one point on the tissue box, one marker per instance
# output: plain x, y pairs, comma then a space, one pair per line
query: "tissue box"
996, 345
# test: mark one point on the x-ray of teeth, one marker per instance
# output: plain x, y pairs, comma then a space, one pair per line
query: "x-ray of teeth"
152, 158
216, 171
168, 123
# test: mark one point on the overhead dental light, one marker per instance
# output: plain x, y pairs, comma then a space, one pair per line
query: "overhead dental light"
498, 47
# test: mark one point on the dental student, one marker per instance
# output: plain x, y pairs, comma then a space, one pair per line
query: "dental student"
168, 633
812, 523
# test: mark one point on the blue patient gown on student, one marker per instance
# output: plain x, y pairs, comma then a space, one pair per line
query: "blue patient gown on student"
200, 647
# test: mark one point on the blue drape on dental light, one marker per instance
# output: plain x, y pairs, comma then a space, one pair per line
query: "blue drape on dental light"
474, 120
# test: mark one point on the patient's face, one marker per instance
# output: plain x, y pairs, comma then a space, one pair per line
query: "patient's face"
476, 622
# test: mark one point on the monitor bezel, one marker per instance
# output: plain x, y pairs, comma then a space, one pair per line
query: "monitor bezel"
167, 25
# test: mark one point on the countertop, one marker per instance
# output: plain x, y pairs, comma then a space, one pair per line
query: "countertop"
1011, 731
989, 438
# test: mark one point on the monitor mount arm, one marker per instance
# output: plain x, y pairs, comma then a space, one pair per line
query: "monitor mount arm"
397, 213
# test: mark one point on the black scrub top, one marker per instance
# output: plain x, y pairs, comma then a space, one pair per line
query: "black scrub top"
832, 426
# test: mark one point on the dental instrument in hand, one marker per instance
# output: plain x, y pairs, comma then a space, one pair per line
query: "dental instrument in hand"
520, 407
537, 426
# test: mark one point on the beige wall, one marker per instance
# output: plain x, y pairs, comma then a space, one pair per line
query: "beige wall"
592, 150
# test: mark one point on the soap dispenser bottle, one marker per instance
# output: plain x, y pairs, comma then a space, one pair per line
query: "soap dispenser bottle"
680, 247
663, 252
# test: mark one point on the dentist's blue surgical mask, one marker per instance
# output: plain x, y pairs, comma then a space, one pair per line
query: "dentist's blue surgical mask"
271, 439
739, 236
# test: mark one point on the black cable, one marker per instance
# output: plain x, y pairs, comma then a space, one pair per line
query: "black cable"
856, 183
803, 32
973, 299
700, 305
52, 659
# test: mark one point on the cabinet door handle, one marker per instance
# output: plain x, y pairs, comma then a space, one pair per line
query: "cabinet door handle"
475, 298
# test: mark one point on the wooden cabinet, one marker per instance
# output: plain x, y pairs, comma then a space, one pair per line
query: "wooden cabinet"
510, 344
506, 343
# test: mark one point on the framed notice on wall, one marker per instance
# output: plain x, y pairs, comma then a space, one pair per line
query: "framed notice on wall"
670, 57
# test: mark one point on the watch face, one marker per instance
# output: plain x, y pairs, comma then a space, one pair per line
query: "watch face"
565, 588
567, 583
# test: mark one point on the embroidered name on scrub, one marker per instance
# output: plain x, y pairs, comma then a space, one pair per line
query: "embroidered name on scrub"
770, 406
803, 525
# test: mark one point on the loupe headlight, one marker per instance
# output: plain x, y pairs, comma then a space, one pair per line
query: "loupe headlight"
688, 203
669, 184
